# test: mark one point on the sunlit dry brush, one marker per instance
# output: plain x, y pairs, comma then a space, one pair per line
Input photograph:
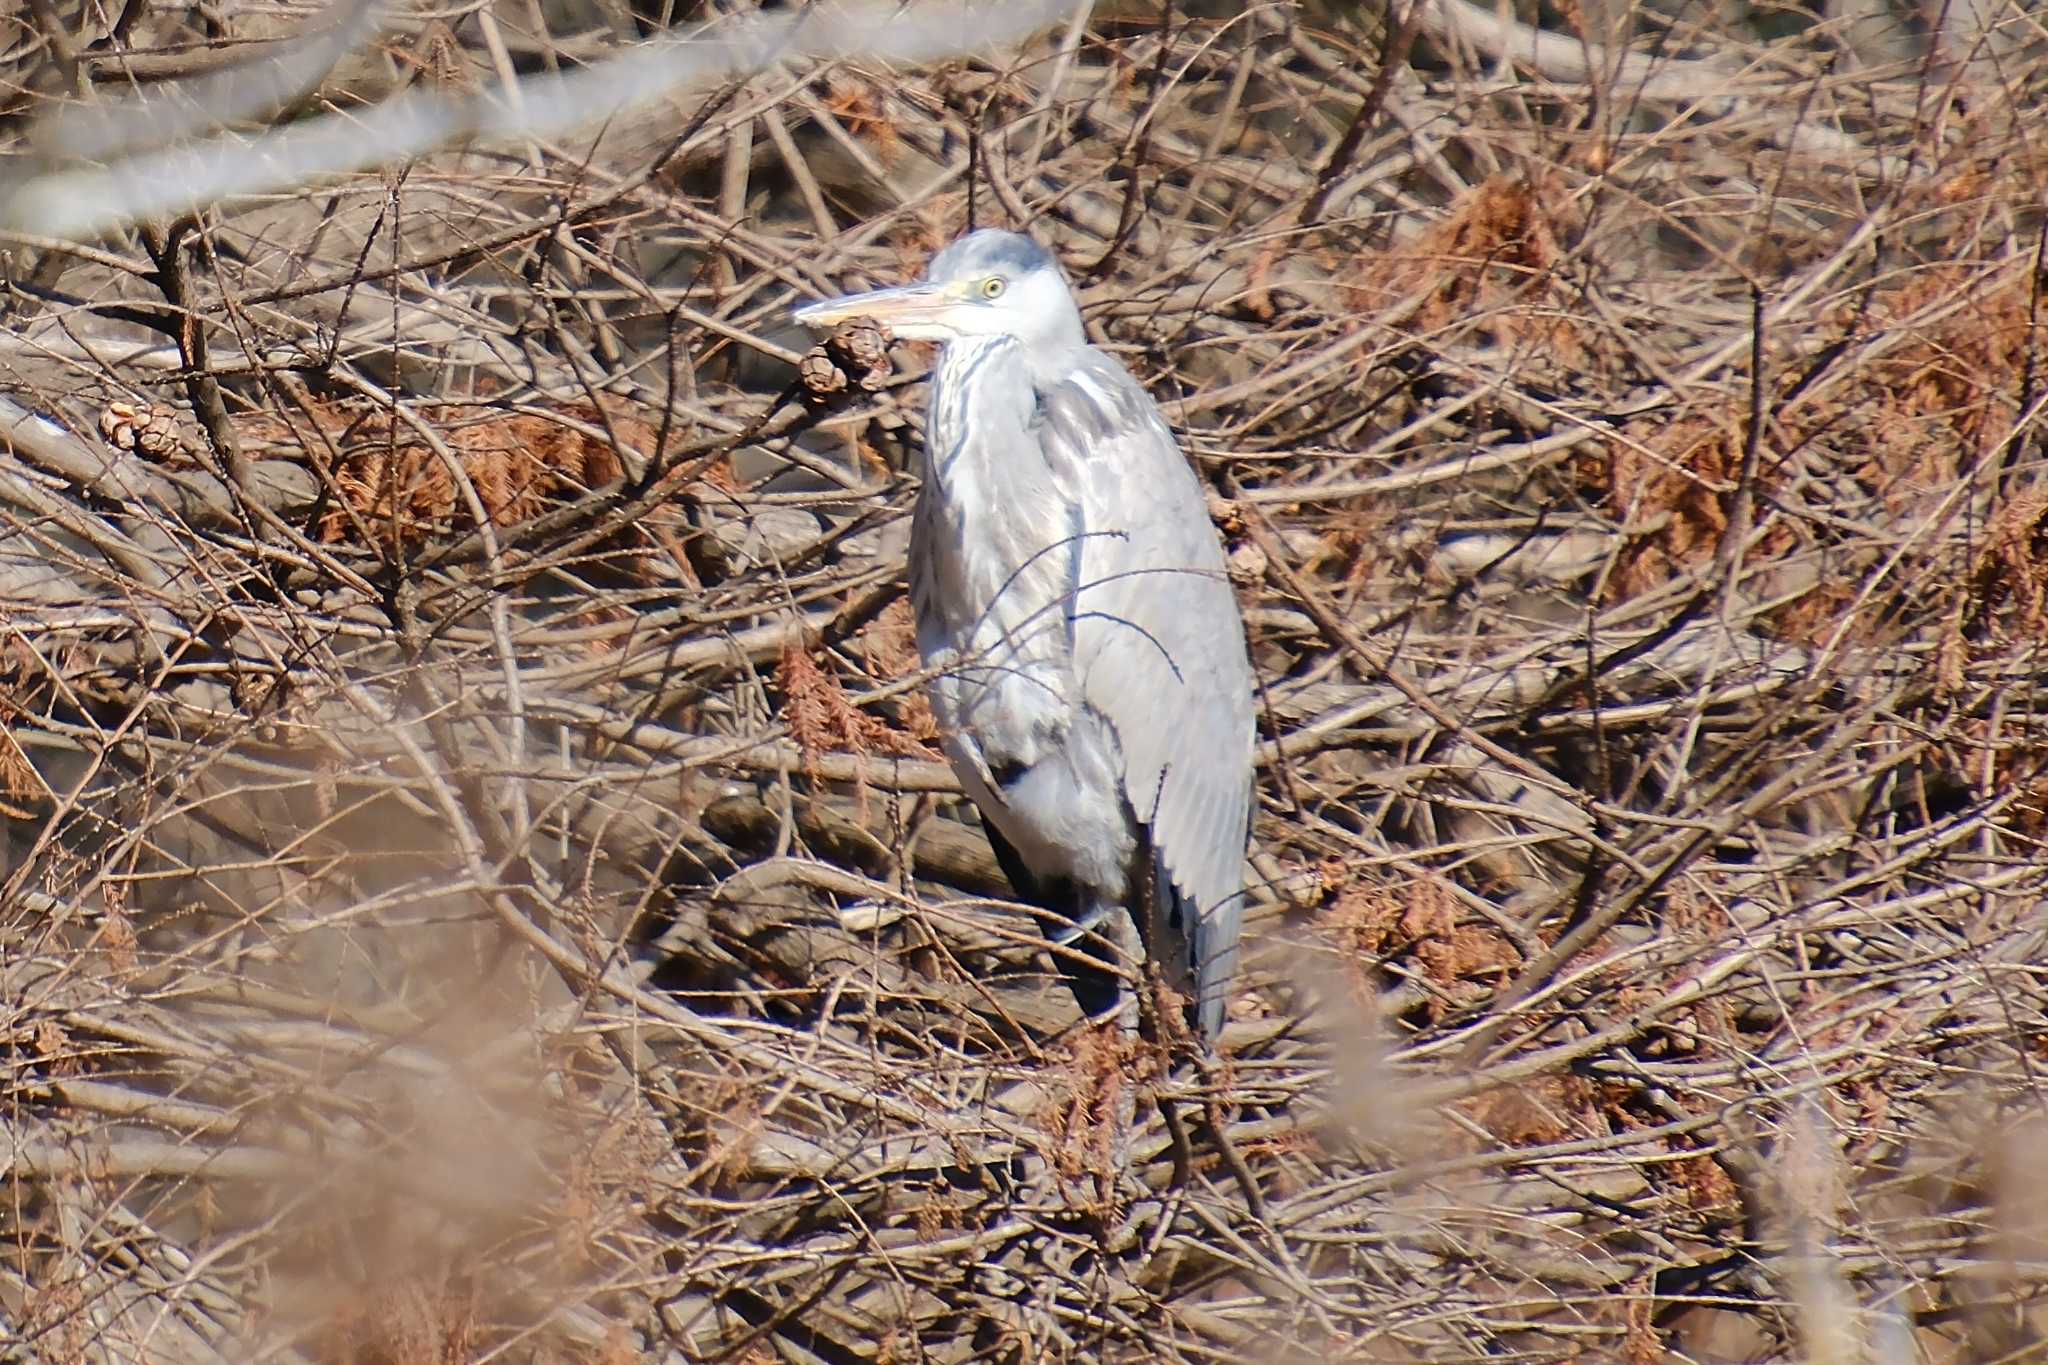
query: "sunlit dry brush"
481, 884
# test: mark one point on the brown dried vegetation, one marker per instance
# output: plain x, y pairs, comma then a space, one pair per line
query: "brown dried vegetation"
480, 884
1489, 264
822, 719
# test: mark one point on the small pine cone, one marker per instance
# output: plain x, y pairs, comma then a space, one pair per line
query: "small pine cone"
146, 430
259, 698
820, 374
1247, 565
862, 346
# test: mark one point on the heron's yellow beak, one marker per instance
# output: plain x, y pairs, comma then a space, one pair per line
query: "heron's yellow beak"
914, 312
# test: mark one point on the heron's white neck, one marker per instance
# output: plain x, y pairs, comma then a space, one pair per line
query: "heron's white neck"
979, 387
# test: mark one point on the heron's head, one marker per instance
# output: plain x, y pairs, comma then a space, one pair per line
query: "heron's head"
989, 283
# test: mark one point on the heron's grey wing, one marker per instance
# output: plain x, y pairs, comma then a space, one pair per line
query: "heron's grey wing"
1159, 648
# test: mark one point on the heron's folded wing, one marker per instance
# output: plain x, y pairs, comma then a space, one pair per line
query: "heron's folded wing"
1159, 646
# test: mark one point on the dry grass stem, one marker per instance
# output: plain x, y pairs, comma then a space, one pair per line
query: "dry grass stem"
480, 882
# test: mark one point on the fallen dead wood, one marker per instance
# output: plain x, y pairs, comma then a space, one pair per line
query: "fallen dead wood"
468, 800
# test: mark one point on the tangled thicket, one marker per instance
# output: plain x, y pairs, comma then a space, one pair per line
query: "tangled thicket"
479, 884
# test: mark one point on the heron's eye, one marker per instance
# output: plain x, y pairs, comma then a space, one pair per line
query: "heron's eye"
992, 287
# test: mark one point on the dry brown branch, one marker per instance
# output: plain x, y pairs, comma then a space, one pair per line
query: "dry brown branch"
480, 883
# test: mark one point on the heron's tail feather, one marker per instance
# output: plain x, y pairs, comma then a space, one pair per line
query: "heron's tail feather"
1175, 938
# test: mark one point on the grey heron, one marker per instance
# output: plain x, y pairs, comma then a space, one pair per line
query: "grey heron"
1092, 686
